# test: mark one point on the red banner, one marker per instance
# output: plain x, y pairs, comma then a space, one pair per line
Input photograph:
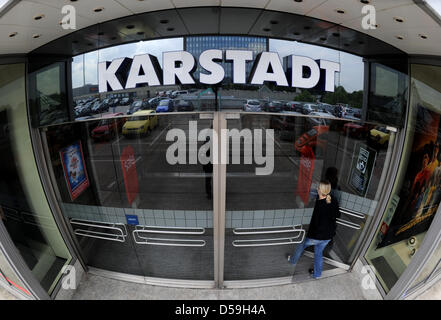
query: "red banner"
128, 166
305, 173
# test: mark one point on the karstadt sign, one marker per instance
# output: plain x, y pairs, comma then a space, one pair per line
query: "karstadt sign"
179, 66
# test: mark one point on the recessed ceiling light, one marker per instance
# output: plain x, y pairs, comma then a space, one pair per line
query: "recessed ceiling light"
13, 34
298, 0
365, 1
39, 17
130, 26
266, 29
140, 33
36, 36
163, 21
399, 37
399, 19
170, 29
423, 36
98, 9
274, 22
341, 11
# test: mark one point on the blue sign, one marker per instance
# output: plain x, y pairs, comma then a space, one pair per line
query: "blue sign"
132, 220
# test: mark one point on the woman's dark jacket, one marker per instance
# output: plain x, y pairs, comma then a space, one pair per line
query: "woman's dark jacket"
323, 221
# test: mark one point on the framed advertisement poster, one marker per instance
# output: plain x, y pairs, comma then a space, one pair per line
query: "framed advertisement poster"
74, 169
363, 161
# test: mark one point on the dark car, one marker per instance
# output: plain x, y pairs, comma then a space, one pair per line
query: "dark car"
273, 106
184, 105
293, 106
125, 101
153, 103
166, 105
135, 106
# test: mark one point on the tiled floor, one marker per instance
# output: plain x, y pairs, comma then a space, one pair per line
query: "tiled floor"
345, 286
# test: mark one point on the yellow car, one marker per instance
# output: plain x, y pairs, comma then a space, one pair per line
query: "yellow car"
380, 135
140, 123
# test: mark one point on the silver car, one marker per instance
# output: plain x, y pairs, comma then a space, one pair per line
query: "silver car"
252, 106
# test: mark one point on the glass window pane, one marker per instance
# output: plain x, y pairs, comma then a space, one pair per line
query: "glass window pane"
417, 191
27, 216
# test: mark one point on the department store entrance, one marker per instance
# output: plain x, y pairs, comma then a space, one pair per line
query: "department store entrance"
143, 204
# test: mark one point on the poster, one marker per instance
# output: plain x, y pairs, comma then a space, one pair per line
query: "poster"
361, 169
128, 166
420, 193
74, 169
305, 173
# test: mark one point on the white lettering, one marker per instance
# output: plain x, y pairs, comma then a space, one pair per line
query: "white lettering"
107, 75
298, 62
330, 69
186, 65
264, 61
207, 61
239, 58
150, 76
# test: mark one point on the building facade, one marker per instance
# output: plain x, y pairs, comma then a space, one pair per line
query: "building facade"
114, 162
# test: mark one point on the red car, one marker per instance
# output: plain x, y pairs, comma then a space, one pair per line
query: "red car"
108, 127
311, 137
356, 130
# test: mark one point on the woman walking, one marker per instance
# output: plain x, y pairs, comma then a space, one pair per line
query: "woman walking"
321, 228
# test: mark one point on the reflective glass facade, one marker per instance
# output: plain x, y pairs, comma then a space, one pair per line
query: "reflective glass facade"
140, 182
197, 45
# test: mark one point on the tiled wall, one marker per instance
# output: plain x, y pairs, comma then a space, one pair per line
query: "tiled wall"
233, 219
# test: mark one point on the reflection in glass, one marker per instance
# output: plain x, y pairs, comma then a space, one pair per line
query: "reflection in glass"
25, 212
141, 214
417, 193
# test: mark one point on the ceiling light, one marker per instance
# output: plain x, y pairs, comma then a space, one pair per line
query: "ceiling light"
266, 29
130, 26
274, 22
13, 34
341, 11
164, 21
423, 36
298, 0
170, 29
36, 36
365, 1
98, 9
399, 37
399, 19
39, 17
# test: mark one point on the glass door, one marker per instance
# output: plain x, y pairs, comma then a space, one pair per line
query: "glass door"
275, 164
134, 195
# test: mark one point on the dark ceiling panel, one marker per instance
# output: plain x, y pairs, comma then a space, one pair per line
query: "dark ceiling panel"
217, 20
229, 24
201, 20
